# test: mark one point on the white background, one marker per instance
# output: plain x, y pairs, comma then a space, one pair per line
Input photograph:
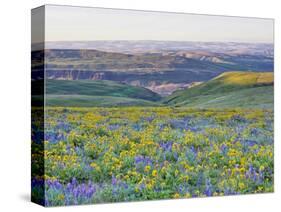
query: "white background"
15, 104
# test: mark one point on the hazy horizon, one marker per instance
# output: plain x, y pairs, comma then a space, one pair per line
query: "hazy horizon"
82, 24
191, 41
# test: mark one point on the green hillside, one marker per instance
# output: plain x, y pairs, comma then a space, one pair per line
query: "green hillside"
94, 101
99, 88
230, 89
87, 93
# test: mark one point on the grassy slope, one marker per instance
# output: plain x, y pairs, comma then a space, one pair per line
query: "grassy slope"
94, 101
97, 93
230, 89
99, 88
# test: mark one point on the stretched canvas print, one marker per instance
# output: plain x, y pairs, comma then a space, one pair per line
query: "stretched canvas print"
140, 105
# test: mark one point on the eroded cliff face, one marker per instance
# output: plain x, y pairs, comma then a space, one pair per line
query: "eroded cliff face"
162, 83
160, 70
76, 75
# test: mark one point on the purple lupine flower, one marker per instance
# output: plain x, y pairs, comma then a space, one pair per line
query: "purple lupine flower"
75, 193
199, 180
251, 174
166, 146
68, 148
191, 153
208, 188
77, 150
142, 160
47, 203
229, 191
63, 126
54, 184
194, 151
113, 127
254, 131
250, 142
74, 181
57, 185
239, 129
114, 181
142, 186
192, 129
181, 124
223, 149
238, 118
54, 137
69, 187
149, 118
91, 190
115, 191
183, 189
137, 127
124, 185
261, 177
83, 191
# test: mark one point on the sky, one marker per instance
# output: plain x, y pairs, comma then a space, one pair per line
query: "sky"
66, 23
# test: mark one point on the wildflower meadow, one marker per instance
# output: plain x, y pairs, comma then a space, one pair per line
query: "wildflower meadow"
97, 155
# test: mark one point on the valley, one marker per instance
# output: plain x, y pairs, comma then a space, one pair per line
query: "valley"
162, 67
230, 89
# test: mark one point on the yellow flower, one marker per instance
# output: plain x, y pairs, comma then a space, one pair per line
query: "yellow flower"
163, 170
215, 194
232, 153
241, 185
149, 186
154, 173
61, 197
187, 195
184, 178
147, 168
242, 169
243, 161
95, 166
176, 195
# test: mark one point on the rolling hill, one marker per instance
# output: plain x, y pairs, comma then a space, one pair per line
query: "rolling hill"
150, 64
97, 93
95, 101
227, 90
230, 89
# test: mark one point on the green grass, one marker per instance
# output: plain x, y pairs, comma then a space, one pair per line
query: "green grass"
230, 89
99, 88
260, 97
94, 101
